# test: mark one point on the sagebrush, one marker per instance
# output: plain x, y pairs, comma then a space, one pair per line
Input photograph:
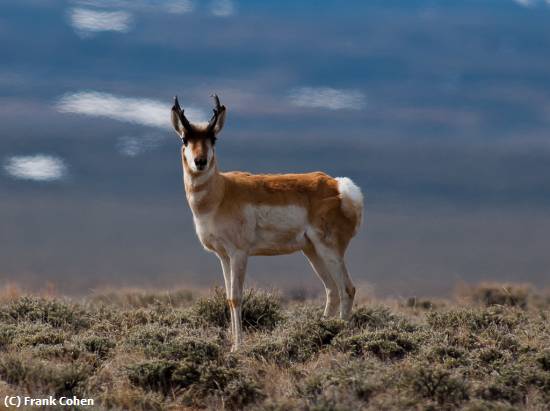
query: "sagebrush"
148, 351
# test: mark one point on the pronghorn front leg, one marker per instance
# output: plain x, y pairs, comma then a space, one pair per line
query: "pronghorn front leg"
226, 268
238, 263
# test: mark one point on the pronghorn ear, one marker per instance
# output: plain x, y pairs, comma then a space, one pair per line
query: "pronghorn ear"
178, 127
221, 121
179, 122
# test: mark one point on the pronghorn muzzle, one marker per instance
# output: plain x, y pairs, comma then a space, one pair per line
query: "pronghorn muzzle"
200, 163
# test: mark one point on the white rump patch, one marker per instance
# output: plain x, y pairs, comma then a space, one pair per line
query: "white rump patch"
352, 199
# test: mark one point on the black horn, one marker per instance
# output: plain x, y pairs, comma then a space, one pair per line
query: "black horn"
179, 112
217, 111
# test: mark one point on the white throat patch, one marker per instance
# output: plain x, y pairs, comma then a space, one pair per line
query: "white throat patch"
199, 179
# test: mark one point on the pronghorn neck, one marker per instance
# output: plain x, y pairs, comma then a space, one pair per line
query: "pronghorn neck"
203, 190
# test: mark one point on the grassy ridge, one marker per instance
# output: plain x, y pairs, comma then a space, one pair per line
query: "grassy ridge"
171, 351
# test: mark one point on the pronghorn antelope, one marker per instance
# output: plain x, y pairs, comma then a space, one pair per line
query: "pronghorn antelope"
238, 215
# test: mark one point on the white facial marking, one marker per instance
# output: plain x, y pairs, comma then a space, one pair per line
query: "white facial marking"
189, 158
209, 154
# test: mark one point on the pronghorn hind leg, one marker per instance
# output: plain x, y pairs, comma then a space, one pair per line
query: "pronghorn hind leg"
333, 260
346, 289
345, 310
238, 262
331, 289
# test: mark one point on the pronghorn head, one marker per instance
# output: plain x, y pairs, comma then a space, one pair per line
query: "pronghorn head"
198, 140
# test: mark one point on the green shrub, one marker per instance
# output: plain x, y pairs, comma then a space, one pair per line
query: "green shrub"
372, 317
509, 385
437, 384
7, 335
298, 340
475, 319
159, 315
57, 378
543, 360
239, 392
101, 346
36, 334
188, 348
143, 298
482, 405
448, 355
151, 337
197, 380
260, 310
489, 355
359, 380
514, 295
384, 344
53, 312
63, 352
173, 344
163, 375
13, 370
419, 303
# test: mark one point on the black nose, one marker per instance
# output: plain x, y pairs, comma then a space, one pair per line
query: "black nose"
200, 163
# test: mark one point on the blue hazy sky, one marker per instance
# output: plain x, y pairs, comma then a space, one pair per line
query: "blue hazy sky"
439, 110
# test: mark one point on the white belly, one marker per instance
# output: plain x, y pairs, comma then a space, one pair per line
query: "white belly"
259, 230
277, 229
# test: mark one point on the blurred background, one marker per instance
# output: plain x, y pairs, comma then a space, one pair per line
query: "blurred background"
439, 110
